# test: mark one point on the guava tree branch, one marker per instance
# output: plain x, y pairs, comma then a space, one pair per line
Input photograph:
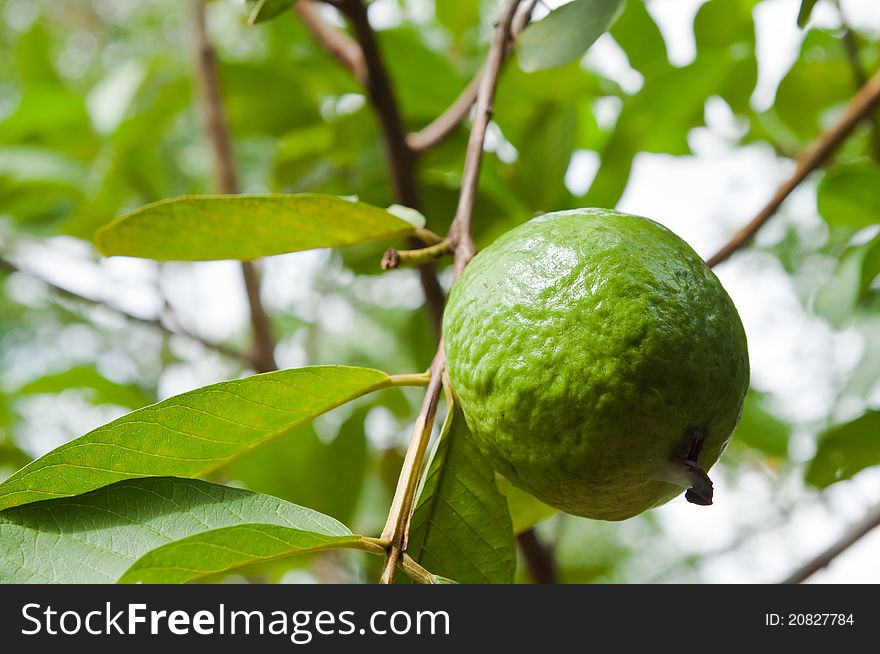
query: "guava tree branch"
859, 108
363, 59
335, 42
460, 230
217, 132
848, 539
156, 323
538, 556
444, 125
397, 526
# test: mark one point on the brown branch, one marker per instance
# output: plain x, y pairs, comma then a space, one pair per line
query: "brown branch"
363, 59
859, 108
538, 556
336, 42
217, 132
445, 124
460, 230
848, 539
396, 528
156, 323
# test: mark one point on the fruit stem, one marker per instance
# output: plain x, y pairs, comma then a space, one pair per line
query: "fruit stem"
686, 472
397, 526
394, 258
410, 379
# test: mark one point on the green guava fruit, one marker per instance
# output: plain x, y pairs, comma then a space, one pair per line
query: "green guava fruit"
598, 361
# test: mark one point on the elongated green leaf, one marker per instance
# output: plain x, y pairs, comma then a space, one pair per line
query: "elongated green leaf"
205, 228
848, 285
566, 34
525, 510
221, 550
461, 527
845, 450
819, 81
96, 537
304, 469
41, 166
640, 37
848, 197
760, 429
191, 434
260, 11
804, 12
100, 389
545, 154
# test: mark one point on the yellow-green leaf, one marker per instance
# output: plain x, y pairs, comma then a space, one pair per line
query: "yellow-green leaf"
244, 227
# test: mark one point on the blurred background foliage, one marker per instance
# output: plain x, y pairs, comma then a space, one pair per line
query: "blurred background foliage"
98, 115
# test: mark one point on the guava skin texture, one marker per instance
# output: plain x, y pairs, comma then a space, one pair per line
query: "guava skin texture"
586, 349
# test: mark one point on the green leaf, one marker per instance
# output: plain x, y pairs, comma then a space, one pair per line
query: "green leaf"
96, 537
637, 33
461, 528
259, 11
33, 165
245, 227
252, 103
804, 13
191, 434
525, 510
760, 429
818, 82
544, 156
657, 119
222, 550
848, 196
566, 33
304, 469
726, 28
101, 390
425, 81
845, 450
848, 285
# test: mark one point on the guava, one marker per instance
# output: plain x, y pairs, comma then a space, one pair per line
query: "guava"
598, 361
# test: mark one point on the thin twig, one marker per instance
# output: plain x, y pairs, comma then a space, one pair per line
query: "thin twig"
394, 258
445, 124
538, 557
460, 230
336, 42
363, 60
156, 323
217, 131
848, 539
439, 129
400, 157
859, 108
397, 526
395, 532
